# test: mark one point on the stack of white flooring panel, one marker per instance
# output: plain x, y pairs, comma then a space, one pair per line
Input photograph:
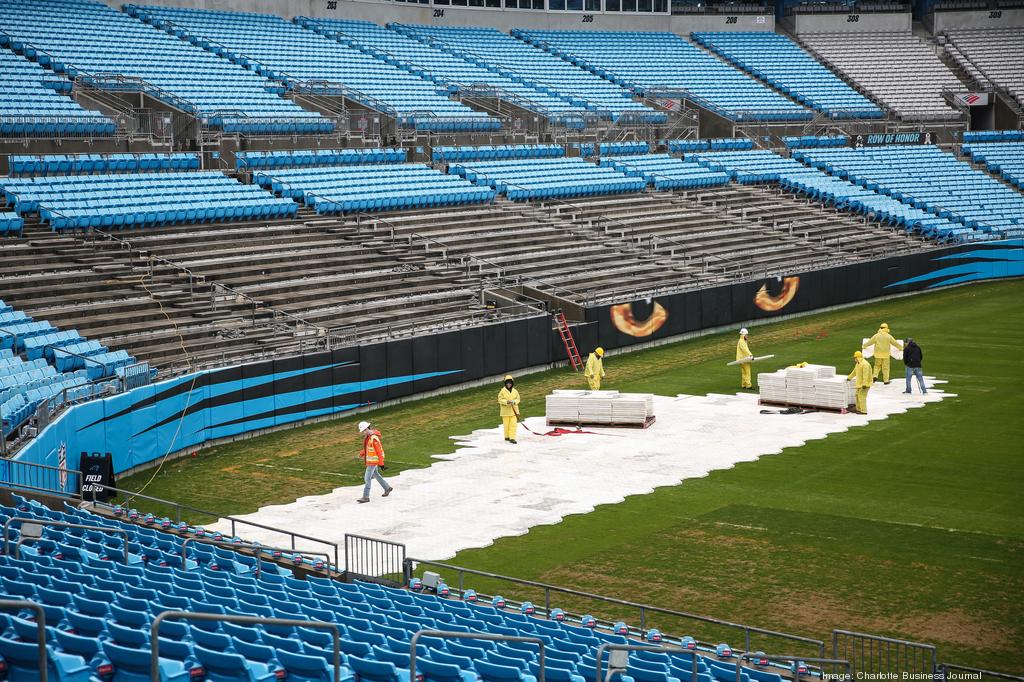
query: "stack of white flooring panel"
808, 386
600, 407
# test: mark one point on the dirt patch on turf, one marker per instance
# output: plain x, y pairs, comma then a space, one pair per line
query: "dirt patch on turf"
958, 628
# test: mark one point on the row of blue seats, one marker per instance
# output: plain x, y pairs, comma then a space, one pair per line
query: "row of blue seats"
613, 148
1000, 158
73, 356
11, 316
292, 158
713, 144
495, 152
11, 223
422, 197
42, 346
13, 336
794, 141
15, 365
666, 172
51, 126
61, 164
128, 215
994, 136
547, 178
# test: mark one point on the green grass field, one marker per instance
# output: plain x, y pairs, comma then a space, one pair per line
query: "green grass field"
910, 527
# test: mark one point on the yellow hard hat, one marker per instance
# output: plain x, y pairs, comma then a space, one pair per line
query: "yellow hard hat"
857, 355
599, 351
508, 377
883, 326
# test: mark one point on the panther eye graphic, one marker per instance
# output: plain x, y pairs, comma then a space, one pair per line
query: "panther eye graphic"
771, 304
624, 320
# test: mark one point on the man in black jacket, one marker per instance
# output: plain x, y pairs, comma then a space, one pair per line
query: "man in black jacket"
912, 356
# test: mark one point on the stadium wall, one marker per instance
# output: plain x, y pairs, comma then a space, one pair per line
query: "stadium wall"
849, 23
999, 18
384, 11
146, 424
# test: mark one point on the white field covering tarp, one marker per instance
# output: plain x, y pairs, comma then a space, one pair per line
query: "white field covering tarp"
488, 489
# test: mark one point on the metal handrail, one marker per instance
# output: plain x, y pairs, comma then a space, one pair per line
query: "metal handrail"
945, 667
178, 507
668, 649
17, 604
445, 634
154, 633
257, 548
56, 524
748, 655
644, 609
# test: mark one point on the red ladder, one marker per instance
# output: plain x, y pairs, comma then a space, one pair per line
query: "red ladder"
570, 344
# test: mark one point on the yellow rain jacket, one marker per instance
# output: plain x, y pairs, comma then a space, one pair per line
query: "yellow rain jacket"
883, 343
505, 395
861, 374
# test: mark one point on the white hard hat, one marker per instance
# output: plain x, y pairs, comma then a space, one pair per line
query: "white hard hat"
363, 426
744, 331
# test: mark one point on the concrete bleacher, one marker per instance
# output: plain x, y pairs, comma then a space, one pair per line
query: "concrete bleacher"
897, 69
664, 64
100, 588
286, 51
786, 66
991, 55
85, 38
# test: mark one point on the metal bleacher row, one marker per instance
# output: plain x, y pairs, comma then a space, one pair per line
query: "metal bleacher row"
100, 592
42, 364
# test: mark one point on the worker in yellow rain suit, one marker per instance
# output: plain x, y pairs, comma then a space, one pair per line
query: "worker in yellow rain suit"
508, 401
742, 353
595, 369
862, 374
883, 343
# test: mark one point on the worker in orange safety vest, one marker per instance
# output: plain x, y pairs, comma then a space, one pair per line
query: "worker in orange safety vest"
373, 456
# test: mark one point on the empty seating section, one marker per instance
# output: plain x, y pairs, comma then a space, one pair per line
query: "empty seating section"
450, 71
766, 167
665, 172
489, 152
613, 148
714, 145
290, 158
283, 50
101, 591
663, 64
899, 70
34, 369
62, 164
784, 65
11, 224
140, 199
82, 37
795, 141
991, 55
547, 178
372, 188
1005, 159
932, 180
515, 59
994, 136
34, 101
